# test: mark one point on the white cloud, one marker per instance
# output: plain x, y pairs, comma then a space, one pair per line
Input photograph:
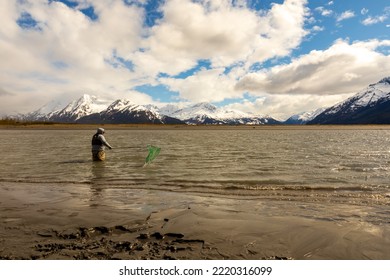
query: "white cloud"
374, 20
318, 79
377, 19
207, 85
364, 11
343, 68
282, 31
220, 32
223, 34
283, 106
67, 51
324, 12
190, 31
317, 28
345, 15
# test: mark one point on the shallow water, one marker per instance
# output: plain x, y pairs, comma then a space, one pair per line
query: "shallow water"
342, 166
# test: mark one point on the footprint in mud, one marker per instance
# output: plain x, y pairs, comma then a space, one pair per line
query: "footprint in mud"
118, 242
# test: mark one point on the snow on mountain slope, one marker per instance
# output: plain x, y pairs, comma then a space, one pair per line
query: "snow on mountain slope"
304, 117
86, 105
46, 111
371, 105
169, 109
91, 109
121, 105
374, 93
207, 110
367, 97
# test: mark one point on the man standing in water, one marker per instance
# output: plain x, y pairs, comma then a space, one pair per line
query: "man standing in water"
98, 145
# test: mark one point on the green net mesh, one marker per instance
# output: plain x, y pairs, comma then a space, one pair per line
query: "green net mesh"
153, 153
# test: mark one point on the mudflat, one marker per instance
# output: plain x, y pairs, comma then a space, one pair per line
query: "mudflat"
59, 224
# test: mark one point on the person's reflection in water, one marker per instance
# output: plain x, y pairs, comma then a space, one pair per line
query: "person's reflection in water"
97, 182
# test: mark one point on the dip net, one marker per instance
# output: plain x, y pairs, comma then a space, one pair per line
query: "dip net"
153, 152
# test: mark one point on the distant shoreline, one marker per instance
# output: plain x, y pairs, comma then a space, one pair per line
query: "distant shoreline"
75, 126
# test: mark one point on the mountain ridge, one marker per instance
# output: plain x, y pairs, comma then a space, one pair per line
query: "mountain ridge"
369, 106
89, 109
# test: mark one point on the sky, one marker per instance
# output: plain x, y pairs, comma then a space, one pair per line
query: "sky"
275, 58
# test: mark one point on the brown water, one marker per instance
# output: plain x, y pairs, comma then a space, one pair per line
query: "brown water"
312, 170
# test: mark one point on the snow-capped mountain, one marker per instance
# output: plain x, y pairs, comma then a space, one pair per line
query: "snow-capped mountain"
44, 113
206, 113
168, 110
200, 109
84, 106
123, 105
369, 106
125, 111
90, 109
304, 117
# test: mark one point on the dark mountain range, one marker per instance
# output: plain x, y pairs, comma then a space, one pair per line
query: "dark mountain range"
89, 109
369, 106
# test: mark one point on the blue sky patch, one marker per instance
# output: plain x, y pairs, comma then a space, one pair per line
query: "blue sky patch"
159, 93
153, 12
26, 21
71, 4
262, 4
90, 12
117, 62
202, 64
